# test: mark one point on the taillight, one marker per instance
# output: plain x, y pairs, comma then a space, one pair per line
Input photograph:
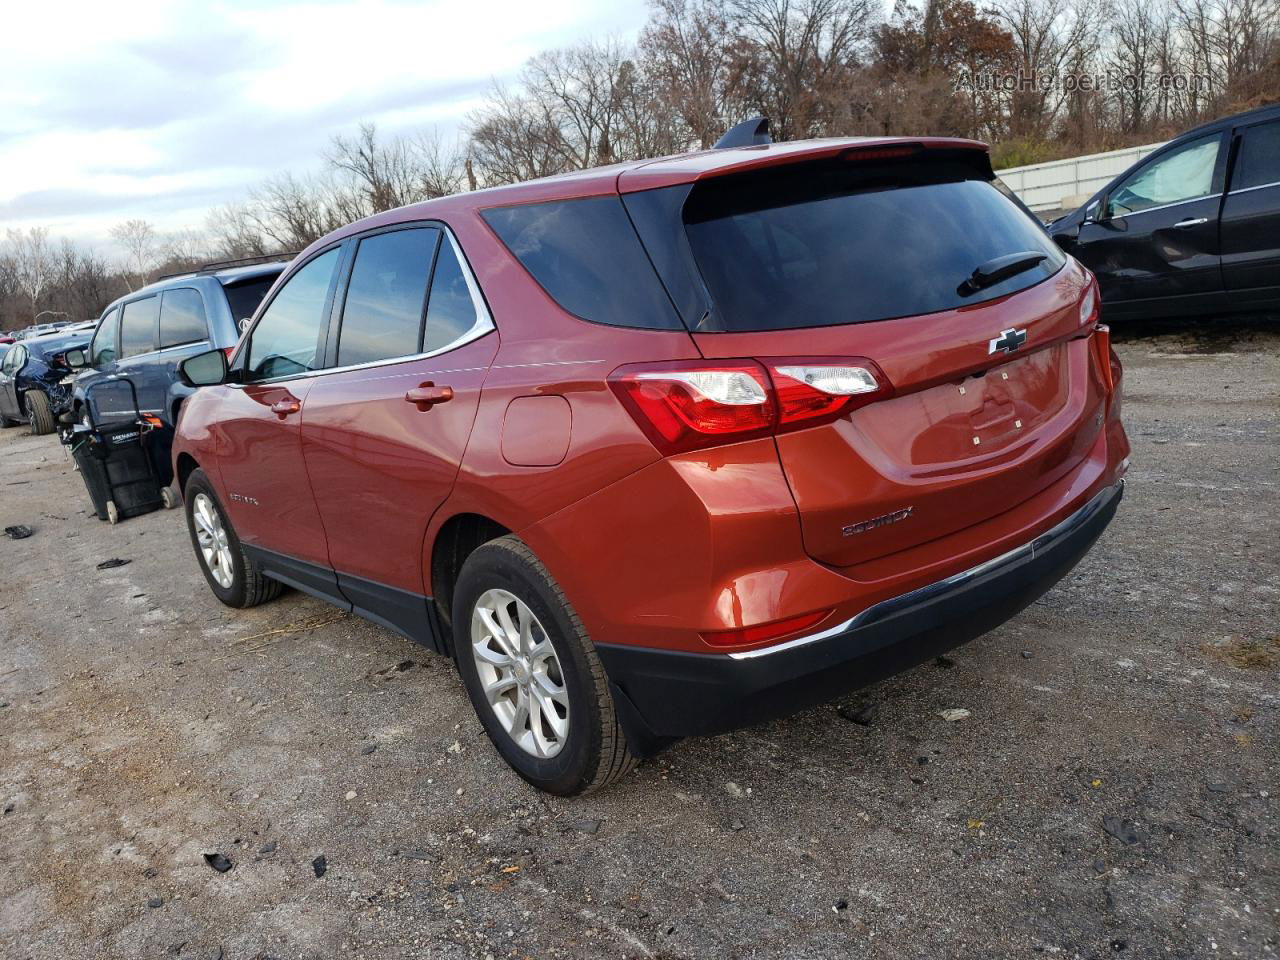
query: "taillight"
229, 351
687, 405
59, 359
815, 390
1090, 308
1108, 363
760, 633
692, 404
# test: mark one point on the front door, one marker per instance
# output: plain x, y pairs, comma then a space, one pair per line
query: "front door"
264, 482
384, 433
1156, 238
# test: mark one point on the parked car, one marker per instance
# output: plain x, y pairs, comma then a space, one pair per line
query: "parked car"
144, 335
670, 447
1190, 229
35, 380
36, 330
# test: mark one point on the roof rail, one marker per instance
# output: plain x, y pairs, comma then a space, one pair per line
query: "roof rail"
748, 133
215, 265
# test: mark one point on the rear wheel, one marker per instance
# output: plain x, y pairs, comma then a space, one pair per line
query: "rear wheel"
232, 575
532, 673
39, 412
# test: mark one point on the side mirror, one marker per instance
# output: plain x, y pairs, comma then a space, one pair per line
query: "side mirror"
77, 359
206, 369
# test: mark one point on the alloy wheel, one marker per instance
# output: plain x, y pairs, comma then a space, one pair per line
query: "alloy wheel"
520, 673
215, 547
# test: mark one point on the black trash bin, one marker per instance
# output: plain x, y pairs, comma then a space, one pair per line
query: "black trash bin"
117, 461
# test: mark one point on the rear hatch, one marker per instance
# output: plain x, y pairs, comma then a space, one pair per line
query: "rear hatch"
915, 261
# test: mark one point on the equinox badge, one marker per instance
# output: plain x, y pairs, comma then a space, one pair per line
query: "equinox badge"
1008, 341
881, 521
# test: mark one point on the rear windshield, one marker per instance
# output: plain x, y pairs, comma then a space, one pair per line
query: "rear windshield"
816, 247
244, 298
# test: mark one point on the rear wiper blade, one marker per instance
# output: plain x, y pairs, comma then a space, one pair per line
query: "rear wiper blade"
999, 268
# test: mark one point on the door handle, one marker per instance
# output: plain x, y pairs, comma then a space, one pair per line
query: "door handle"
282, 408
1192, 222
428, 395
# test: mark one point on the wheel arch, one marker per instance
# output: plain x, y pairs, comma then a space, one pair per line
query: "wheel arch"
184, 466
456, 539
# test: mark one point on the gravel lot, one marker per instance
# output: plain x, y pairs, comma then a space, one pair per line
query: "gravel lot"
145, 726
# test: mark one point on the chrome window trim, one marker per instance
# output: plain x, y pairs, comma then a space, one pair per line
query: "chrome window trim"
1164, 206
886, 608
1261, 186
483, 326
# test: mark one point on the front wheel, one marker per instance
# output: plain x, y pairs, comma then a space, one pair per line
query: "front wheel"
232, 575
532, 673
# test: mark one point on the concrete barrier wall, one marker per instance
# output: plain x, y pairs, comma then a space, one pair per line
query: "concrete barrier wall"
1065, 184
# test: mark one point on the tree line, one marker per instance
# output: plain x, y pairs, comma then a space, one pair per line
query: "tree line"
1037, 79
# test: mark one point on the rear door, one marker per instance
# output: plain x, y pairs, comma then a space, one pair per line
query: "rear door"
1251, 217
1157, 236
139, 322
183, 332
995, 394
384, 430
259, 443
14, 358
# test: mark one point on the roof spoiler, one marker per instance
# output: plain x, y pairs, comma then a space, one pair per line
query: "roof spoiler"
748, 133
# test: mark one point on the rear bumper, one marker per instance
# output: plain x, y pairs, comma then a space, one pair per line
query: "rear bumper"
665, 694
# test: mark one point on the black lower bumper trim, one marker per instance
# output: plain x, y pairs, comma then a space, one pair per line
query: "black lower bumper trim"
665, 694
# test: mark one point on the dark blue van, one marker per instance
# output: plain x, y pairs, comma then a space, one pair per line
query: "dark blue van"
145, 335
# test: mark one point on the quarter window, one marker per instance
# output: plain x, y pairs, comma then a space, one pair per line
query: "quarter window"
14, 360
1259, 160
450, 311
286, 340
382, 315
103, 350
138, 326
182, 317
1184, 174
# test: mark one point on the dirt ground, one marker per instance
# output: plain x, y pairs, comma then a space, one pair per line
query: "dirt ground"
143, 726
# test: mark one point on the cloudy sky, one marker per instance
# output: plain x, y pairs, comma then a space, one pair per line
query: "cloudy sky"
162, 110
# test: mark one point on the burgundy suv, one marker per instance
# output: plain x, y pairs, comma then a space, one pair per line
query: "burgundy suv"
669, 447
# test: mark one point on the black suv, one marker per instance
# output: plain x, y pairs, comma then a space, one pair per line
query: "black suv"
1193, 228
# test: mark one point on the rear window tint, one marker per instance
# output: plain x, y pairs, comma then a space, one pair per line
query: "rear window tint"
182, 317
244, 298
585, 254
138, 326
382, 317
1259, 162
450, 311
815, 247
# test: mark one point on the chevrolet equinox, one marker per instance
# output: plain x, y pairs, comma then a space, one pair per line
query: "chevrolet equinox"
670, 447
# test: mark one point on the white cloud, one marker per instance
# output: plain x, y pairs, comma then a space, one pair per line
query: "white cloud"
162, 110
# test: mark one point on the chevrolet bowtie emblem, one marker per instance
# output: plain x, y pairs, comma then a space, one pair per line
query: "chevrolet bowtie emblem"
1008, 341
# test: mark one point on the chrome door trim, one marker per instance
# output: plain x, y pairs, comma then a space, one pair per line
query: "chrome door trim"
1164, 206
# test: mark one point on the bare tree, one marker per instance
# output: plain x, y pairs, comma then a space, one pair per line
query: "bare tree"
141, 246
33, 263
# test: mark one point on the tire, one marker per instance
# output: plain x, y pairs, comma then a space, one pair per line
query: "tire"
242, 581
39, 413
168, 498
592, 751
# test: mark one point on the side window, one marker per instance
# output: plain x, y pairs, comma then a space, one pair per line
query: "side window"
382, 315
450, 310
585, 254
1184, 174
182, 317
138, 326
1259, 160
14, 359
103, 350
286, 340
